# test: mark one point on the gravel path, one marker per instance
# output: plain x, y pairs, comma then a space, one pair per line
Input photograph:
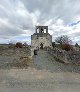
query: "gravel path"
45, 61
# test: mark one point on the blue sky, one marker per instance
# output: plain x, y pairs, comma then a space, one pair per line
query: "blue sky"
75, 23
19, 17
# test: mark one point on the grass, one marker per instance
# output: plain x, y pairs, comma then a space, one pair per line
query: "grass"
59, 60
21, 62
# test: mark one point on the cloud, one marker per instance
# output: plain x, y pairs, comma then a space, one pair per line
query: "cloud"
75, 23
19, 17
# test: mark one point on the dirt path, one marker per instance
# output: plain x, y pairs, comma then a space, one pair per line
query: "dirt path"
32, 80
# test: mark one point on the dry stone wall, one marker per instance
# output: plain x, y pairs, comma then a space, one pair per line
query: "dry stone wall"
65, 56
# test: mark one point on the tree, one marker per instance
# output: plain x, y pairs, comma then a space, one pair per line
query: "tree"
64, 39
64, 42
76, 45
53, 44
25, 44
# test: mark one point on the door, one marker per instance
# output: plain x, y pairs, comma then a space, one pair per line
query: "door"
41, 46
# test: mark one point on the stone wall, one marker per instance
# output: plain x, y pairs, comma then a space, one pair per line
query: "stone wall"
65, 56
36, 41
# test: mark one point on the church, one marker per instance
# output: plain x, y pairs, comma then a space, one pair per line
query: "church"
41, 38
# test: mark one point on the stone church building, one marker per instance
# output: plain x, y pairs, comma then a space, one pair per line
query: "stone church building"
41, 38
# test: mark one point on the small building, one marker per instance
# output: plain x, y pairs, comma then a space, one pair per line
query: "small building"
41, 38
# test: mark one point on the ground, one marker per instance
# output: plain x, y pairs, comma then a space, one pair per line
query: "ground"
45, 75
45, 61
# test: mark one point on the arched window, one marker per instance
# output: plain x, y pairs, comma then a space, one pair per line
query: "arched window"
44, 30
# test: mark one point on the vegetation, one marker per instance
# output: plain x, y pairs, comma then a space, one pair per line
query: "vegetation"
19, 45
76, 45
66, 47
58, 60
53, 44
64, 39
63, 42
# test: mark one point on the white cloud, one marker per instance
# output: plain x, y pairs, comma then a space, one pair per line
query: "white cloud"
19, 17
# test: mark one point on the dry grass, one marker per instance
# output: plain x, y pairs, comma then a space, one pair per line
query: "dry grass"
16, 58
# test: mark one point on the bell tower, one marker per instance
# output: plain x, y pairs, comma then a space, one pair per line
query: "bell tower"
41, 29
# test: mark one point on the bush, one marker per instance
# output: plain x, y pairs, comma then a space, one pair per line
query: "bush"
58, 60
19, 45
53, 44
66, 47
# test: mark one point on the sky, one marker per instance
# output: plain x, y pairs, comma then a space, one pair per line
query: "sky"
18, 19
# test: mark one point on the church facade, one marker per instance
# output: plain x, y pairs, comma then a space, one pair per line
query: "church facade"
41, 38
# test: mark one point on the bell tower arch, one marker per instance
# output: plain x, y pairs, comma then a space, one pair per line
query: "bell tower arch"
41, 29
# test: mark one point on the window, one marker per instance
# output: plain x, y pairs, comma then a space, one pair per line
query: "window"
44, 30
37, 30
